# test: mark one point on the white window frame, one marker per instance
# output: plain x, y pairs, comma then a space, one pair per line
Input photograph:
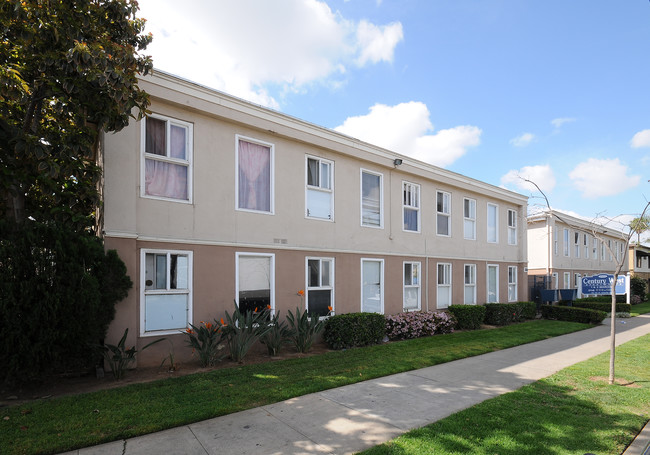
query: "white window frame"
446, 284
585, 243
189, 147
567, 280
512, 283
512, 227
487, 283
469, 219
469, 288
320, 188
576, 244
144, 292
576, 280
595, 248
412, 204
271, 177
381, 282
443, 214
320, 286
556, 281
416, 272
555, 242
566, 247
381, 198
495, 228
271, 257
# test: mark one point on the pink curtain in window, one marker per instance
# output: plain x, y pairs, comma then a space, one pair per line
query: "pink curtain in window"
254, 177
165, 179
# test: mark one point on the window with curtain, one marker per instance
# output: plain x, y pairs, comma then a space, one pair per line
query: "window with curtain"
411, 204
320, 189
512, 284
167, 278
492, 223
444, 285
412, 286
167, 158
512, 227
320, 286
443, 209
469, 219
255, 282
371, 199
254, 176
470, 284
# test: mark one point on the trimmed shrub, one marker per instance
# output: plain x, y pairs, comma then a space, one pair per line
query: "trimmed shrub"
638, 287
526, 310
602, 298
354, 329
604, 306
58, 293
415, 324
573, 314
468, 317
501, 313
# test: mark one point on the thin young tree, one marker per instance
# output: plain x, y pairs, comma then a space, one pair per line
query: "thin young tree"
619, 260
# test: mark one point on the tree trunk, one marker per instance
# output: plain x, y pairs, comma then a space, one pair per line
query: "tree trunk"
612, 344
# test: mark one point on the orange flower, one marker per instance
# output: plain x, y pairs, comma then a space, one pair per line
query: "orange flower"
208, 325
329, 308
222, 323
190, 331
268, 307
301, 293
255, 310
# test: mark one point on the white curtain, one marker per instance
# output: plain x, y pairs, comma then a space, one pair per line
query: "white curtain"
254, 176
165, 179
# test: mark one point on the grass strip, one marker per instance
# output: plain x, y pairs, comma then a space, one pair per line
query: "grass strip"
67, 423
573, 412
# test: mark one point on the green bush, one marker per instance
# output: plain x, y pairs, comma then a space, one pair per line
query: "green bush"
501, 313
354, 329
638, 286
526, 310
605, 306
573, 314
468, 317
602, 298
303, 329
58, 293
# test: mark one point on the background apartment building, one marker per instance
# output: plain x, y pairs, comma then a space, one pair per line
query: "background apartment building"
213, 200
565, 248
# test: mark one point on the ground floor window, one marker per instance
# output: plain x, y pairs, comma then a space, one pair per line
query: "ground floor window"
512, 284
372, 285
492, 283
320, 286
412, 286
470, 284
166, 291
255, 281
444, 285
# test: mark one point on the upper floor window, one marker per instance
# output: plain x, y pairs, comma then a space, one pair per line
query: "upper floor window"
512, 227
320, 189
469, 219
167, 169
443, 211
595, 247
492, 223
411, 201
254, 175
576, 244
371, 199
555, 245
585, 242
566, 242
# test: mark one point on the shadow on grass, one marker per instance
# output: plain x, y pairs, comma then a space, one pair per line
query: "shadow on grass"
541, 418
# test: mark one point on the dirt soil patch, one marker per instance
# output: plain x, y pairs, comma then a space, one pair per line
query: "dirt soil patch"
59, 386
620, 381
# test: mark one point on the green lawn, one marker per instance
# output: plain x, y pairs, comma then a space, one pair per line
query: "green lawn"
640, 308
572, 412
56, 425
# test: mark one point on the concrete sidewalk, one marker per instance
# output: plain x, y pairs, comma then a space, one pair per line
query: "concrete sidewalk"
355, 417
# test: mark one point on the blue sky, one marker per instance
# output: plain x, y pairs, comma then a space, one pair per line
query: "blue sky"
557, 91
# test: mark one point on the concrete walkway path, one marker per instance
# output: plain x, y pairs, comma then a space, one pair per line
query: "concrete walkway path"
355, 417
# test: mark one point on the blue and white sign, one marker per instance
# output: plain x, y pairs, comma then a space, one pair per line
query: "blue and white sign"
602, 284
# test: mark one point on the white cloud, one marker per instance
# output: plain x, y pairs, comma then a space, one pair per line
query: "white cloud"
246, 46
641, 139
403, 129
522, 140
542, 175
596, 178
558, 122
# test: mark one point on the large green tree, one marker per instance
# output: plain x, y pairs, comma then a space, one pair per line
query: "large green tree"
68, 71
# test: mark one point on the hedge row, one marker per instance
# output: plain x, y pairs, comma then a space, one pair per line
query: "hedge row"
573, 314
605, 306
354, 329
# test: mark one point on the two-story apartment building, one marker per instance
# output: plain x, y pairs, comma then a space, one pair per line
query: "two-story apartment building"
212, 200
566, 248
639, 261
